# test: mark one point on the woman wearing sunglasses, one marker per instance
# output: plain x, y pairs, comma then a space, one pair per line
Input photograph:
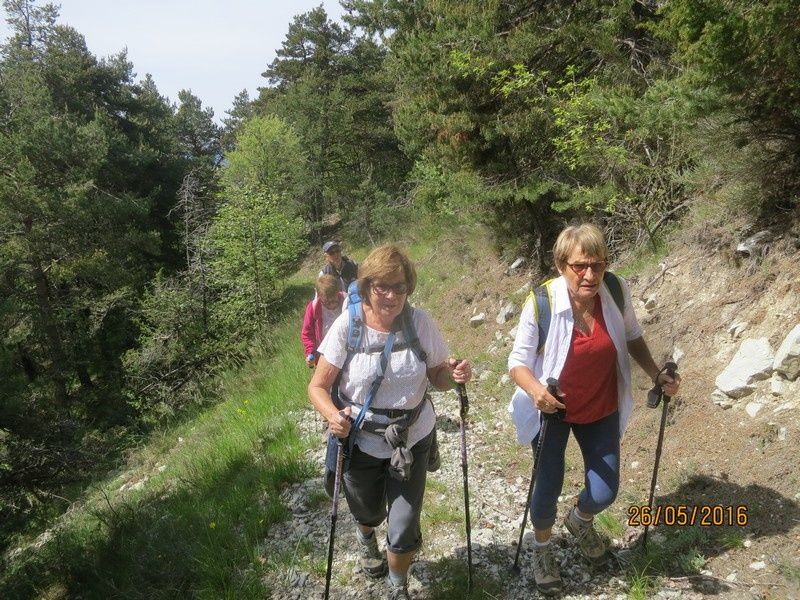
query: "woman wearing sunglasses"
387, 467
586, 350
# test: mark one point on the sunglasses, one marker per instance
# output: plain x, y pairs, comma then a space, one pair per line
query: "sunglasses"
383, 289
580, 268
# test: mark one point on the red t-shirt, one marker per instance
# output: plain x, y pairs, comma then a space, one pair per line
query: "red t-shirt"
589, 377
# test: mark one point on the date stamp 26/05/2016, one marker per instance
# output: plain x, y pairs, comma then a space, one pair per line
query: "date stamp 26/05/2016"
672, 515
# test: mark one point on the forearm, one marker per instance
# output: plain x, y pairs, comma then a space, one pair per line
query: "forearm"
638, 349
319, 389
440, 378
526, 380
322, 402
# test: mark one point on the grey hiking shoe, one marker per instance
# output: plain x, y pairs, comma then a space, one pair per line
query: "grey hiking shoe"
591, 544
545, 570
396, 592
372, 560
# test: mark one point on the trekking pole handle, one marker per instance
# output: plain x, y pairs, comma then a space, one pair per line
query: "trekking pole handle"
655, 394
461, 389
552, 389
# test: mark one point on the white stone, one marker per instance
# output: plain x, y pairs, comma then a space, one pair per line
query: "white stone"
508, 311
635, 464
498, 335
731, 578
758, 565
787, 358
525, 289
477, 319
752, 362
782, 434
505, 379
737, 328
484, 375
747, 543
752, 408
650, 303
516, 264
677, 355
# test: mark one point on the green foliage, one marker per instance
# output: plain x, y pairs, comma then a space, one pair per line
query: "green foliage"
747, 52
196, 524
255, 244
269, 157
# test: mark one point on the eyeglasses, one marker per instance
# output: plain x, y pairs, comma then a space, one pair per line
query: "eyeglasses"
383, 289
581, 267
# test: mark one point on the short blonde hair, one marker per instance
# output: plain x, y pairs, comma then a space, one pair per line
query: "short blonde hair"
587, 237
327, 287
385, 261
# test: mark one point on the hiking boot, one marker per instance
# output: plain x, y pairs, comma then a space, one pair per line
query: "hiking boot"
591, 544
545, 570
396, 592
372, 560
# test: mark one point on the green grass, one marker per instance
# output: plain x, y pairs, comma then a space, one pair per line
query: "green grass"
609, 524
642, 586
193, 528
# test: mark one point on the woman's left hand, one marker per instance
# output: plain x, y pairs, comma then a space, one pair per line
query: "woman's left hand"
461, 372
669, 384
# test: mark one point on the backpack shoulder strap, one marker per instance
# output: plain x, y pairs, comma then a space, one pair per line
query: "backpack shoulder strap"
615, 289
542, 310
410, 333
355, 324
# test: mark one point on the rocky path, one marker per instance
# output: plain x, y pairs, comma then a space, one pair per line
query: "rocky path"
439, 571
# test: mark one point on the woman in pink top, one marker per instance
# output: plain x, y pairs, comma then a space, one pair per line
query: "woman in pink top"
321, 312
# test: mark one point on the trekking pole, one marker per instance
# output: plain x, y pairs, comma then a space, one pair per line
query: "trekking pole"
337, 482
464, 407
552, 388
654, 396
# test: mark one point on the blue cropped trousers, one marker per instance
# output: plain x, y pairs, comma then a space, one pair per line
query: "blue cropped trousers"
599, 444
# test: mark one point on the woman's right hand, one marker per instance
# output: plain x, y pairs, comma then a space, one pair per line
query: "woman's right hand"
544, 400
339, 423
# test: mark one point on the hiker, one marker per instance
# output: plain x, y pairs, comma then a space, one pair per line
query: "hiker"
592, 330
321, 312
387, 465
338, 265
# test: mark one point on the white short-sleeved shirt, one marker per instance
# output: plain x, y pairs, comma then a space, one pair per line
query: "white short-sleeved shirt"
404, 383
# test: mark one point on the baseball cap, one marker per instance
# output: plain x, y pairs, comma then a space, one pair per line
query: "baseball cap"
328, 246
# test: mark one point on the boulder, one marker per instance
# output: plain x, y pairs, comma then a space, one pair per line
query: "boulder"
787, 359
752, 362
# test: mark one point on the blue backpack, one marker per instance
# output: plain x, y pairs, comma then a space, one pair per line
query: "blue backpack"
543, 303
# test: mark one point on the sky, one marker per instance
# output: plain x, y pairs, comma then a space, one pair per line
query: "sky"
215, 48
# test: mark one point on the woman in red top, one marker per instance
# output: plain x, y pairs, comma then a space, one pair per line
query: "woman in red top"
321, 312
586, 350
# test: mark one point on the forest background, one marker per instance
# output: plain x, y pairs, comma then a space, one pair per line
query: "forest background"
144, 249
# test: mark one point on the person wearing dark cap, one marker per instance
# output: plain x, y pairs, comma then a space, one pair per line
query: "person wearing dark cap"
338, 265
